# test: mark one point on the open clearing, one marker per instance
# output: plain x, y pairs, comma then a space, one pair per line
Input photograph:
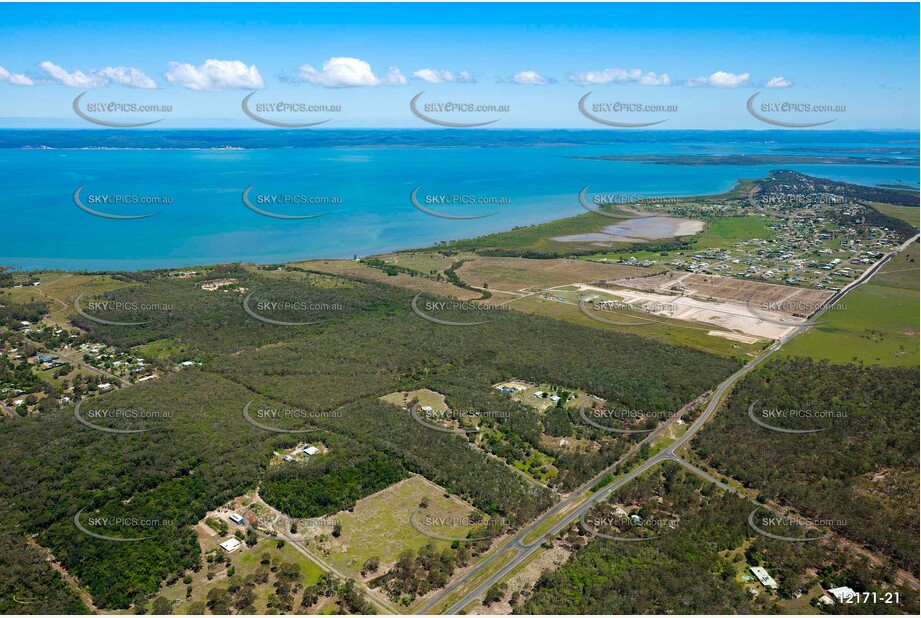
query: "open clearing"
525, 393
380, 525
351, 268
59, 289
729, 315
564, 305
424, 396
798, 302
876, 324
246, 561
519, 274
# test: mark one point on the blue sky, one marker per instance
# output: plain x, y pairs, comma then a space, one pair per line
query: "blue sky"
696, 64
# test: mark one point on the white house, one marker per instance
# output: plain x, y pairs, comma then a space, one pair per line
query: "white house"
766, 580
842, 593
237, 519
311, 450
231, 545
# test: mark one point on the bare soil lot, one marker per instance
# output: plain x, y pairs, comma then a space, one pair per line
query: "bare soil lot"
795, 302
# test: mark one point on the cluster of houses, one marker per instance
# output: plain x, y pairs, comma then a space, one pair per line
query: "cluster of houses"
543, 395
841, 594
233, 544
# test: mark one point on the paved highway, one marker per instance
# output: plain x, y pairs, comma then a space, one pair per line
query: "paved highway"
524, 551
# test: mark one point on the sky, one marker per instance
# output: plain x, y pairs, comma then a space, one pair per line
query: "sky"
691, 66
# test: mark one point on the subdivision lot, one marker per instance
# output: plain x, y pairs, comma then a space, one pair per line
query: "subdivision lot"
381, 526
876, 324
515, 274
788, 300
245, 561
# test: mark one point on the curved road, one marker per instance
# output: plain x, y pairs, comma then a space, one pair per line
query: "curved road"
524, 551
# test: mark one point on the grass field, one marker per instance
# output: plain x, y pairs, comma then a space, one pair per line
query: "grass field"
424, 396
909, 214
424, 261
162, 350
380, 526
514, 274
59, 289
879, 324
246, 561
727, 231
350, 268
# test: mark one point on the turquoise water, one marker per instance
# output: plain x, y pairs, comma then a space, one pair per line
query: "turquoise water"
207, 221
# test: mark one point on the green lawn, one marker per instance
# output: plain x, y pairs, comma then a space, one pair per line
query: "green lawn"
879, 324
726, 231
245, 561
909, 214
380, 525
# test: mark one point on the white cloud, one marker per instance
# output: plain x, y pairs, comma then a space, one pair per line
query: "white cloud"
721, 79
434, 76
349, 72
778, 82
77, 79
529, 78
128, 76
97, 78
17, 79
617, 75
651, 79
215, 75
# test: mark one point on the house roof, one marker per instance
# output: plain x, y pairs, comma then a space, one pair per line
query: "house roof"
230, 545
